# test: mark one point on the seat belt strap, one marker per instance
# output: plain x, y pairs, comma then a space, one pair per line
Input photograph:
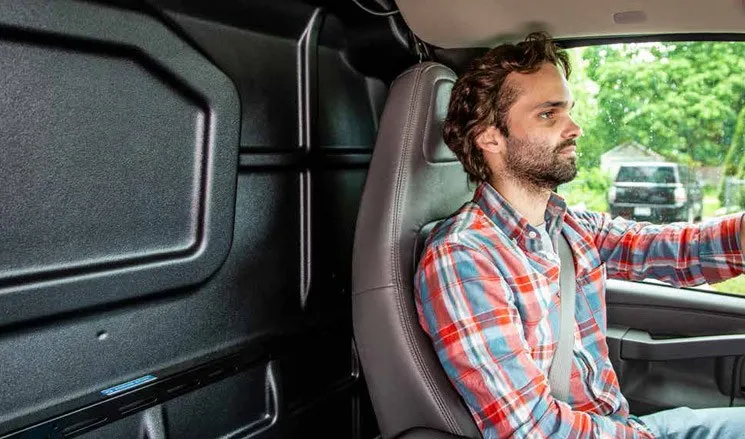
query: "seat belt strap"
561, 365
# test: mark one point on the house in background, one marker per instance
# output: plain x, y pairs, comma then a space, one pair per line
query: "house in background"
627, 152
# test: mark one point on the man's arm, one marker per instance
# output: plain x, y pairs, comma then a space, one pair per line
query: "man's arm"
678, 253
468, 311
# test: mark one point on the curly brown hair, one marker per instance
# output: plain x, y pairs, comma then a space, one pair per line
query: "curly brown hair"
481, 98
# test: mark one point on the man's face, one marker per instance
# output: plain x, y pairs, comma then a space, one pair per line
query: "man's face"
540, 149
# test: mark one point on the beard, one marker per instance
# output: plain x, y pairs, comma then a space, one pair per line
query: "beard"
538, 165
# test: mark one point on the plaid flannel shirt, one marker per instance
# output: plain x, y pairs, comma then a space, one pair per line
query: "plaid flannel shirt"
487, 294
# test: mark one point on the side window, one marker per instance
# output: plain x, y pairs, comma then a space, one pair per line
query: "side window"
651, 112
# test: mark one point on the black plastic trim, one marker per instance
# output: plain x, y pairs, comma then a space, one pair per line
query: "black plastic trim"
648, 295
113, 408
302, 159
681, 37
639, 345
85, 286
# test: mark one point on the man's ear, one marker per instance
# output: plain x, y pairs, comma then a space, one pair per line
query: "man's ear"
491, 140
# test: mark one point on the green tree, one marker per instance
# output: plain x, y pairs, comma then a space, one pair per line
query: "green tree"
680, 99
734, 153
735, 148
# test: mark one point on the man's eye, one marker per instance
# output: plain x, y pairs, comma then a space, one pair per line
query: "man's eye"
546, 115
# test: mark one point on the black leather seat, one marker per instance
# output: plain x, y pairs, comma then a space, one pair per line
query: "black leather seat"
414, 180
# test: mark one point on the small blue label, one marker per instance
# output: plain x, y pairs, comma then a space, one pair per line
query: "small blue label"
128, 385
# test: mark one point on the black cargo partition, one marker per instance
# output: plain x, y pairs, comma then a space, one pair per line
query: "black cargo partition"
118, 159
179, 186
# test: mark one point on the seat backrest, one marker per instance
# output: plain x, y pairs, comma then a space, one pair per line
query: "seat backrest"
414, 180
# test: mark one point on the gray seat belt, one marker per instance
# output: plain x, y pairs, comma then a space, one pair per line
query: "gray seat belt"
561, 365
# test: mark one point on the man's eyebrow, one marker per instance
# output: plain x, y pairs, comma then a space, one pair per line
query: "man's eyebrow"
555, 104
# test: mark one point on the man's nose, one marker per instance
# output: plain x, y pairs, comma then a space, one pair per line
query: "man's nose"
572, 130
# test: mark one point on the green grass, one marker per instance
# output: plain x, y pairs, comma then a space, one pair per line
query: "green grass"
735, 285
711, 205
588, 200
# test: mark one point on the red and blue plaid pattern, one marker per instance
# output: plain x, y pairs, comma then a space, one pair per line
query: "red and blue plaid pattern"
487, 293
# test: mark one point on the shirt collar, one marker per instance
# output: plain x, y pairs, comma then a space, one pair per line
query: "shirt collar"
509, 220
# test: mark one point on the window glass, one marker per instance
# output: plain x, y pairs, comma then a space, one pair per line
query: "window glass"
646, 174
655, 113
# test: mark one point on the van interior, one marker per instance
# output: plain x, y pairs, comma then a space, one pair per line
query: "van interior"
211, 212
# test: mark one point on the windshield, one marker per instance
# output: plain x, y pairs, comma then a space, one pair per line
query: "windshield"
646, 174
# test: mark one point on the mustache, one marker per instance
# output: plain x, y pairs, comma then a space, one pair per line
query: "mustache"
564, 144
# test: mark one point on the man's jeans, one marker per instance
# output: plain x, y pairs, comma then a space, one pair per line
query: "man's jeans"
686, 423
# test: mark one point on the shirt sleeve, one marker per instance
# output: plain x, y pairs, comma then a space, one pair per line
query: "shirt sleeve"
681, 254
469, 313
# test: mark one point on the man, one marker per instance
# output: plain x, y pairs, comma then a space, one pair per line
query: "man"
487, 287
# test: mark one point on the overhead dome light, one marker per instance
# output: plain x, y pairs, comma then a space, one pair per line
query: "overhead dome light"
629, 17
